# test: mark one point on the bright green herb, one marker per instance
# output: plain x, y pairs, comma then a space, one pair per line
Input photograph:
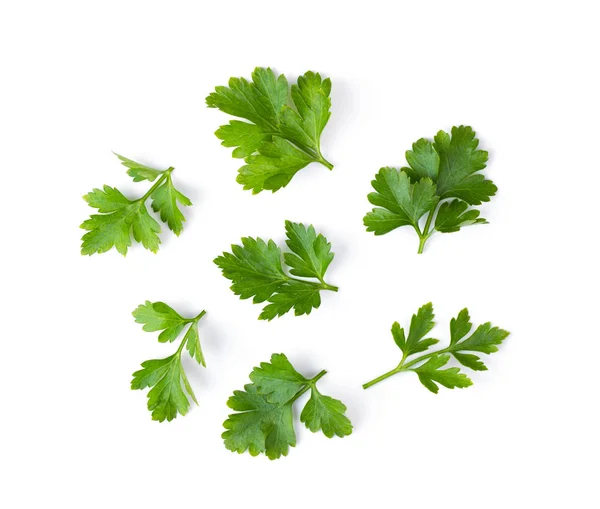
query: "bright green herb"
256, 271
264, 422
166, 377
281, 139
485, 339
121, 217
441, 181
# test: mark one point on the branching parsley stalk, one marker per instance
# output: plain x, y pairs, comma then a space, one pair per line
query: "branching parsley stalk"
404, 367
280, 137
166, 377
310, 384
423, 237
256, 270
120, 218
263, 422
441, 180
485, 339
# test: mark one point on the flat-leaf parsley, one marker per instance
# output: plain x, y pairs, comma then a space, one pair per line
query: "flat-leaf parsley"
440, 181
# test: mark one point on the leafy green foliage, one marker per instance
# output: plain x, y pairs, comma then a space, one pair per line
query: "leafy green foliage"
428, 367
441, 181
119, 217
264, 423
256, 271
430, 373
170, 387
282, 139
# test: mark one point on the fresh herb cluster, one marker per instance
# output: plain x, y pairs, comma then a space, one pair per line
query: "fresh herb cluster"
121, 217
264, 421
279, 137
485, 339
440, 182
166, 376
256, 271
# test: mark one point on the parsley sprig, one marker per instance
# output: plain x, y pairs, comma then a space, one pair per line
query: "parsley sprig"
281, 139
120, 217
264, 421
256, 271
485, 339
440, 182
169, 384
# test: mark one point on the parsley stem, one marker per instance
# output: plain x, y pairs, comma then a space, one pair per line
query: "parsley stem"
325, 163
382, 377
198, 316
426, 233
157, 184
408, 365
322, 285
311, 383
404, 367
181, 345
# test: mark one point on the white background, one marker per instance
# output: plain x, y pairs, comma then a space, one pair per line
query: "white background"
81, 79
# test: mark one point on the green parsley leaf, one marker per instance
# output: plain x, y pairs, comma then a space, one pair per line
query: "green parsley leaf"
440, 182
281, 140
170, 386
485, 339
278, 381
159, 316
139, 171
263, 422
430, 372
167, 379
259, 426
452, 215
311, 253
256, 271
120, 217
164, 200
326, 414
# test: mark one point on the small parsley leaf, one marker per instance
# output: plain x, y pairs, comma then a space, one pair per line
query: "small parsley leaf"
278, 381
258, 426
170, 387
256, 271
282, 139
430, 373
485, 339
119, 217
326, 414
264, 423
441, 181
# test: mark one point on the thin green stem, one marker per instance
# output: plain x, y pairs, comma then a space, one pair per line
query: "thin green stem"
181, 345
329, 287
311, 383
405, 367
156, 185
426, 233
408, 365
386, 375
198, 316
382, 377
325, 162
322, 285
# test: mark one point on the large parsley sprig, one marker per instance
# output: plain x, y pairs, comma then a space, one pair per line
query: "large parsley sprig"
170, 387
256, 271
121, 217
485, 339
264, 422
440, 181
281, 140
